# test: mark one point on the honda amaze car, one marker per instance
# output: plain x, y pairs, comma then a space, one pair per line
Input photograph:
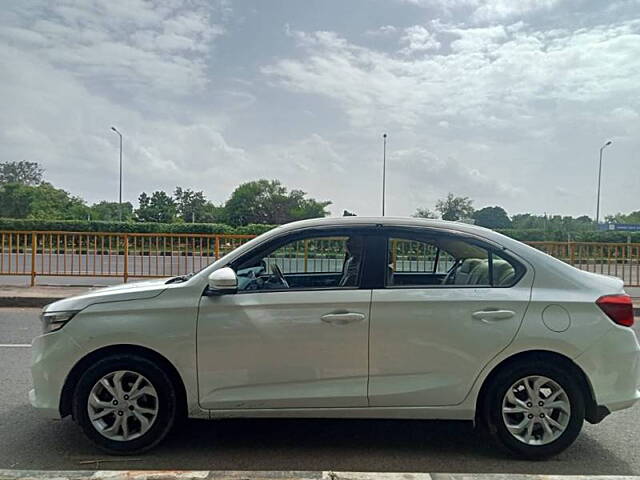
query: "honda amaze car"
348, 318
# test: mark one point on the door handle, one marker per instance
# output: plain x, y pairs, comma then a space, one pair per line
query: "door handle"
342, 318
488, 315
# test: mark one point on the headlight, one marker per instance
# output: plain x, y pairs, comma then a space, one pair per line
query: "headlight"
52, 321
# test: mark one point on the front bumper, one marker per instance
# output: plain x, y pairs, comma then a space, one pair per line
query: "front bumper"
612, 365
52, 357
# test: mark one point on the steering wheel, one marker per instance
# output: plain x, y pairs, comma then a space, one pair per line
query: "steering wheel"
275, 269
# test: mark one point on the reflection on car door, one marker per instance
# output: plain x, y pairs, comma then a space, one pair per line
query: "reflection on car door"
429, 342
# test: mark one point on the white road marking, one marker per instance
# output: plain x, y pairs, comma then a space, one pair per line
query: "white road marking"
15, 345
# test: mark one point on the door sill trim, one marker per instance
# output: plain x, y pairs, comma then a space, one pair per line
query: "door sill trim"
427, 413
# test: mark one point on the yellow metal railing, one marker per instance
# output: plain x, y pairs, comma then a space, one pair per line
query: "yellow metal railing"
126, 255
142, 255
618, 259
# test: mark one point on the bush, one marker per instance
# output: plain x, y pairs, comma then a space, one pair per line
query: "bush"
253, 229
128, 227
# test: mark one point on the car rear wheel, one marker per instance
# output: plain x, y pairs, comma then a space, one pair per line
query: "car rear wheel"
535, 409
125, 404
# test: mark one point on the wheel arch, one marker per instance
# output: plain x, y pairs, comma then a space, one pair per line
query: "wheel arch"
81, 365
593, 413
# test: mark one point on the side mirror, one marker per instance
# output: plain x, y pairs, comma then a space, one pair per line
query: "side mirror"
222, 281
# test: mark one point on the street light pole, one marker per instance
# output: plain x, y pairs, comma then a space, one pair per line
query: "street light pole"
384, 168
120, 191
599, 178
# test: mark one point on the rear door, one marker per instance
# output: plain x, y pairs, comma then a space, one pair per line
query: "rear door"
449, 304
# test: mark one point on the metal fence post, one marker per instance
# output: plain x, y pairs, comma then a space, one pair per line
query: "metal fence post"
571, 250
33, 258
627, 262
126, 257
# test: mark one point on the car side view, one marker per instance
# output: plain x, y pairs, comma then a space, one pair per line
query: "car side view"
348, 318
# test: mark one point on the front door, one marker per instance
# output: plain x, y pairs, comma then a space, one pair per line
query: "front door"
295, 335
448, 306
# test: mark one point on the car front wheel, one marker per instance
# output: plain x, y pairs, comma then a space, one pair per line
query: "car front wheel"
125, 403
535, 410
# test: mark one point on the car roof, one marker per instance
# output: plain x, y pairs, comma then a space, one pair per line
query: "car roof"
388, 221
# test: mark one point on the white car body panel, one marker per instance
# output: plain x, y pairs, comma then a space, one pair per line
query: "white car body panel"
317, 364
269, 354
166, 325
427, 349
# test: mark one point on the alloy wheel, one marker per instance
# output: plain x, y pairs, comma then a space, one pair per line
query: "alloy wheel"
536, 410
123, 405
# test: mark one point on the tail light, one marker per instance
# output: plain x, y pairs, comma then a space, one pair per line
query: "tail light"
618, 308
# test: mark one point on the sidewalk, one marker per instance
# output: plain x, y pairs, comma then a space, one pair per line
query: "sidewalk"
273, 475
39, 296
35, 297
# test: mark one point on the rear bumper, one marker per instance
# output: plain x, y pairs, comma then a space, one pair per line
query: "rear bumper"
612, 365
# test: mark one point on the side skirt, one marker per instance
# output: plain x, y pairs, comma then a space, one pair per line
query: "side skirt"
424, 413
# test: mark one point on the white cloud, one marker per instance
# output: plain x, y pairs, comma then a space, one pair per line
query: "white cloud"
503, 100
60, 92
426, 177
417, 39
134, 45
65, 127
507, 9
384, 30
489, 10
492, 75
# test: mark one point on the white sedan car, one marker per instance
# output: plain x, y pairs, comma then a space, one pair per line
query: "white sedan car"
348, 318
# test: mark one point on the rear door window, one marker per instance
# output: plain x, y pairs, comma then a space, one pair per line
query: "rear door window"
447, 261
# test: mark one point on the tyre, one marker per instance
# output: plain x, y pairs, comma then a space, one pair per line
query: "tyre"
125, 404
535, 409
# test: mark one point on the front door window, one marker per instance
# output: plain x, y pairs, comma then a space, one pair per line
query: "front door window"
307, 263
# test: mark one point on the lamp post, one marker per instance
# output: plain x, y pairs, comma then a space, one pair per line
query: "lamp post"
384, 168
599, 178
120, 191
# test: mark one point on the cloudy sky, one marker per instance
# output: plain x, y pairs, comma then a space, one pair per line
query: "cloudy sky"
504, 101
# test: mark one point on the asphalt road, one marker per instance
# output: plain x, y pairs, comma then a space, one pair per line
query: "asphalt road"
30, 442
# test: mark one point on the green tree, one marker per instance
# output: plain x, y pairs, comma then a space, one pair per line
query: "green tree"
23, 173
526, 221
492, 217
551, 223
424, 213
42, 201
455, 208
267, 202
633, 217
191, 206
159, 208
301, 208
212, 214
110, 211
